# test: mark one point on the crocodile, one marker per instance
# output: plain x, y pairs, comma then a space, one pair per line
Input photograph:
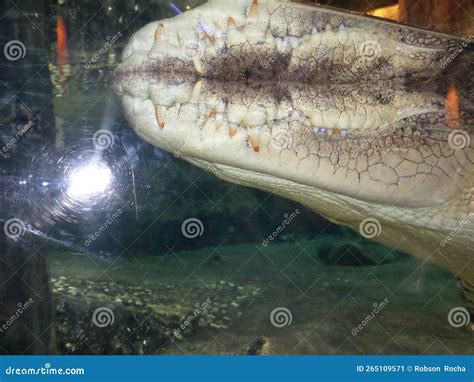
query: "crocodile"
367, 122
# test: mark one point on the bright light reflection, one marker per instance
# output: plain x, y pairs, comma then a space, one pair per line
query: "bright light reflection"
89, 180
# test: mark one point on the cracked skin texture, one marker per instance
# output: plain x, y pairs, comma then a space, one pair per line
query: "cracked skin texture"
351, 116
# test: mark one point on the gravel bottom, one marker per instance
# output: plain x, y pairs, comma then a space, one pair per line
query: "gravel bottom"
97, 317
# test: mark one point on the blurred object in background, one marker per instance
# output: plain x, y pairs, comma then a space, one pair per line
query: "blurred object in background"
391, 12
447, 16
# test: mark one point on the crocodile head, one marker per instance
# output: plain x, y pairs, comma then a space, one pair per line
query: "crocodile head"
357, 118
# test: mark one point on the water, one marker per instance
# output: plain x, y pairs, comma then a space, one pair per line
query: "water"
125, 249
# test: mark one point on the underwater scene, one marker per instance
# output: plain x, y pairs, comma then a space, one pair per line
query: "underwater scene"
236, 177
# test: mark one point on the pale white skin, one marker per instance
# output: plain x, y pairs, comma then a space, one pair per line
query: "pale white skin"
310, 104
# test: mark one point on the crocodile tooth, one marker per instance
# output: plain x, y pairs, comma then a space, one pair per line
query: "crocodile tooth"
159, 117
209, 115
197, 65
232, 129
330, 119
196, 92
344, 121
159, 31
255, 140
231, 23
253, 10
236, 113
234, 35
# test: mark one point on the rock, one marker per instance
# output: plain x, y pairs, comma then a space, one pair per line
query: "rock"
256, 346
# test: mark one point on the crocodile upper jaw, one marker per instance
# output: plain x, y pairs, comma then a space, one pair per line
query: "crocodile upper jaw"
348, 115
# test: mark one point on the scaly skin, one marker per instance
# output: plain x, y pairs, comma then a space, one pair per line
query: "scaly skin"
353, 117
